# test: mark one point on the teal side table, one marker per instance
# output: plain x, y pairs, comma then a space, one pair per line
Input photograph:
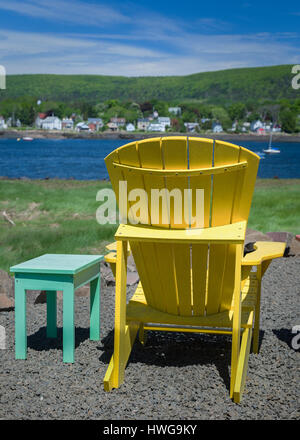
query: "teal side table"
52, 272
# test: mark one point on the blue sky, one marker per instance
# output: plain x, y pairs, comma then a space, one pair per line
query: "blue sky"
136, 38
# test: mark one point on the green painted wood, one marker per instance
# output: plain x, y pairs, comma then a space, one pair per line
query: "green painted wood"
59, 275
95, 309
36, 281
68, 324
57, 264
86, 275
20, 321
51, 314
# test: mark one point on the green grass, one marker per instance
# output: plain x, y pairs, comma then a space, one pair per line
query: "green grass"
59, 216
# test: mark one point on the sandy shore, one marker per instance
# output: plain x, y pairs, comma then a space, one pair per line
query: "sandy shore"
42, 134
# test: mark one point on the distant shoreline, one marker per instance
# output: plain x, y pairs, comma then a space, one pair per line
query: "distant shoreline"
42, 134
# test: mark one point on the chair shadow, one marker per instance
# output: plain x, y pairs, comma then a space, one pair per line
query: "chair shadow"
165, 349
39, 341
260, 339
285, 335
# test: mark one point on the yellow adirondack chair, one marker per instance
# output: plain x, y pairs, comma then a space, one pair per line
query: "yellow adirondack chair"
191, 279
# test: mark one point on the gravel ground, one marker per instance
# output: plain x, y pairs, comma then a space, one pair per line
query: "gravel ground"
175, 376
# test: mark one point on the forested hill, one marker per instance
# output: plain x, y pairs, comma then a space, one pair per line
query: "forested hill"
246, 84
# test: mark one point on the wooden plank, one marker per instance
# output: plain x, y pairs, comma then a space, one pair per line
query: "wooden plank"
183, 278
200, 155
150, 156
216, 268
175, 157
224, 185
199, 277
234, 233
246, 188
142, 270
151, 261
130, 156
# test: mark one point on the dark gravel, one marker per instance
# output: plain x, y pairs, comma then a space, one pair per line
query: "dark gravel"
175, 376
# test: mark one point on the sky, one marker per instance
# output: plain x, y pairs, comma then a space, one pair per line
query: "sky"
141, 38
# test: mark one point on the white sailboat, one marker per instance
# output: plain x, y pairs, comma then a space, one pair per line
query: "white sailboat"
271, 150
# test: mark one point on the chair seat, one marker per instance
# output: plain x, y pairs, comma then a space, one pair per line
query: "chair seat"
139, 310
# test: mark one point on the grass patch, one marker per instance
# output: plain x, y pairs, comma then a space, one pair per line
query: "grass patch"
58, 216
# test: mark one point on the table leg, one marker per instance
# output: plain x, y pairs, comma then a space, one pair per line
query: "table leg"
51, 314
20, 321
68, 324
95, 309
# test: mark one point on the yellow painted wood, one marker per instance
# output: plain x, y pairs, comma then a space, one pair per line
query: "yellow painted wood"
199, 277
264, 250
255, 344
234, 233
237, 319
217, 255
246, 185
137, 310
224, 185
150, 155
183, 278
175, 156
242, 365
209, 171
129, 157
201, 155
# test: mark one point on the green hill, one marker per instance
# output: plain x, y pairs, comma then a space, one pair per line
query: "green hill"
247, 84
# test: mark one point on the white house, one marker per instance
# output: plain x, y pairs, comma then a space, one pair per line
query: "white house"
67, 124
39, 119
82, 126
175, 110
130, 127
120, 122
143, 123
156, 126
217, 127
2, 123
191, 126
165, 121
51, 123
255, 125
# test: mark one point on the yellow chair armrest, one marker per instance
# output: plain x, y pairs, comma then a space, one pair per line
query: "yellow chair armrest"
234, 233
264, 250
113, 248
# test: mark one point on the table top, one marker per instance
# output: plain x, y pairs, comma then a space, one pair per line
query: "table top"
57, 264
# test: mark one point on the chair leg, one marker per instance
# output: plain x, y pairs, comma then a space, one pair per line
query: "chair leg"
114, 376
95, 309
255, 342
235, 351
242, 365
20, 321
68, 324
51, 314
124, 333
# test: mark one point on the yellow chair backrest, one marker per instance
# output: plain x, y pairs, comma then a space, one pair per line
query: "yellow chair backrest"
185, 279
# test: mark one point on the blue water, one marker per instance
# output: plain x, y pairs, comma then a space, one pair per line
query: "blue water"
83, 159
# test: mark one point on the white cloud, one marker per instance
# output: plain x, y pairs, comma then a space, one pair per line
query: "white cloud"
67, 11
22, 52
143, 44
